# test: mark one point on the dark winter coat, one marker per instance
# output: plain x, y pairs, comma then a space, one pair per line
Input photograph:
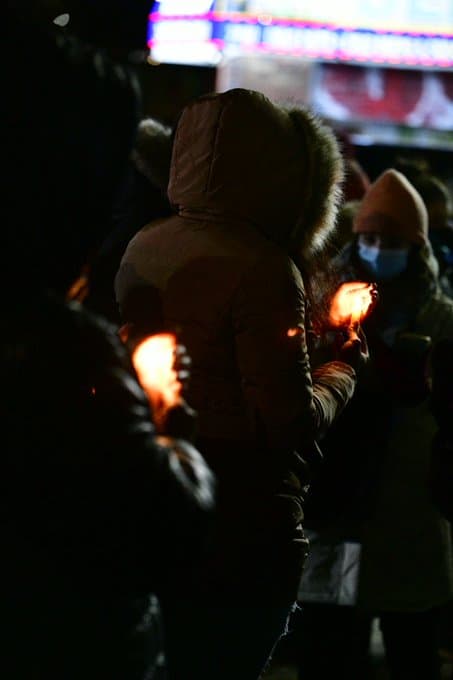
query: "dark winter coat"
239, 174
92, 504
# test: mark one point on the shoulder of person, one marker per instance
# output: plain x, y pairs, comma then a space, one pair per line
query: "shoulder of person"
438, 313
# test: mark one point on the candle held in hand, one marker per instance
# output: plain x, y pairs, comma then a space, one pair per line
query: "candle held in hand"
154, 360
351, 303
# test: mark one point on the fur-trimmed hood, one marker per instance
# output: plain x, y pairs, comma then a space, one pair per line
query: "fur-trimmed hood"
239, 156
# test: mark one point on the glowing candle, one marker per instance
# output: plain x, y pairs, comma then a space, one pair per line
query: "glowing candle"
154, 360
351, 303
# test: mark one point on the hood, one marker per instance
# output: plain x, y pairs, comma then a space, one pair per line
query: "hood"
238, 156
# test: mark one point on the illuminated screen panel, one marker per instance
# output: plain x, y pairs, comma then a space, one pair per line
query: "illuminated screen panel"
413, 16
411, 33
182, 32
413, 99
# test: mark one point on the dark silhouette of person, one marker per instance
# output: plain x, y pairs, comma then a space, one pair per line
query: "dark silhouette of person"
91, 497
256, 188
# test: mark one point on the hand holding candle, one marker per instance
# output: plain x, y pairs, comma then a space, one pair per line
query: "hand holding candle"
351, 304
154, 361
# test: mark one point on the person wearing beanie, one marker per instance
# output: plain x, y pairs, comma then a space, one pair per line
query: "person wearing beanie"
382, 444
393, 207
390, 220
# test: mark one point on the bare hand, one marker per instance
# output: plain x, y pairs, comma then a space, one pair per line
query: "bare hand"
354, 348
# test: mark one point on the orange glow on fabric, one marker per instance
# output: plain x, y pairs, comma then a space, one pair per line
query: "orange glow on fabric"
351, 303
293, 332
154, 360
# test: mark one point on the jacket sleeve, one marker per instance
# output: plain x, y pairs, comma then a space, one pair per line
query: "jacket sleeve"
435, 319
143, 500
123, 420
292, 405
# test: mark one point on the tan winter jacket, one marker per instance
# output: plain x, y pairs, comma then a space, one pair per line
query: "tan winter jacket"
241, 180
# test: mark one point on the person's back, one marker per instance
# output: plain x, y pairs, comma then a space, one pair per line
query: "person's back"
231, 289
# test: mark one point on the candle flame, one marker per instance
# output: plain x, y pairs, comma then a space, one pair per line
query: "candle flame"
154, 360
351, 303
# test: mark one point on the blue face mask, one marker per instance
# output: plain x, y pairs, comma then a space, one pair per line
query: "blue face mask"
383, 263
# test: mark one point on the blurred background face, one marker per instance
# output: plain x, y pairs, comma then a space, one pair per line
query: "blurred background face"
384, 256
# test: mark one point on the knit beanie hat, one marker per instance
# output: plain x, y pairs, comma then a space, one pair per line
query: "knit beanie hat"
392, 206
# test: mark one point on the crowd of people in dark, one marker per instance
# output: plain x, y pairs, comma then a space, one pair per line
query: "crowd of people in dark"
302, 480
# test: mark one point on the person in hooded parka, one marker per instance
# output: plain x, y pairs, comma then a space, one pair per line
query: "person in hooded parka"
255, 186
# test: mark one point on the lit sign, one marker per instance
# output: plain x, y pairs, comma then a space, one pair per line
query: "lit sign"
429, 17
415, 33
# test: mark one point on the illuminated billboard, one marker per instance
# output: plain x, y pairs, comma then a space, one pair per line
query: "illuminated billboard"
405, 33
